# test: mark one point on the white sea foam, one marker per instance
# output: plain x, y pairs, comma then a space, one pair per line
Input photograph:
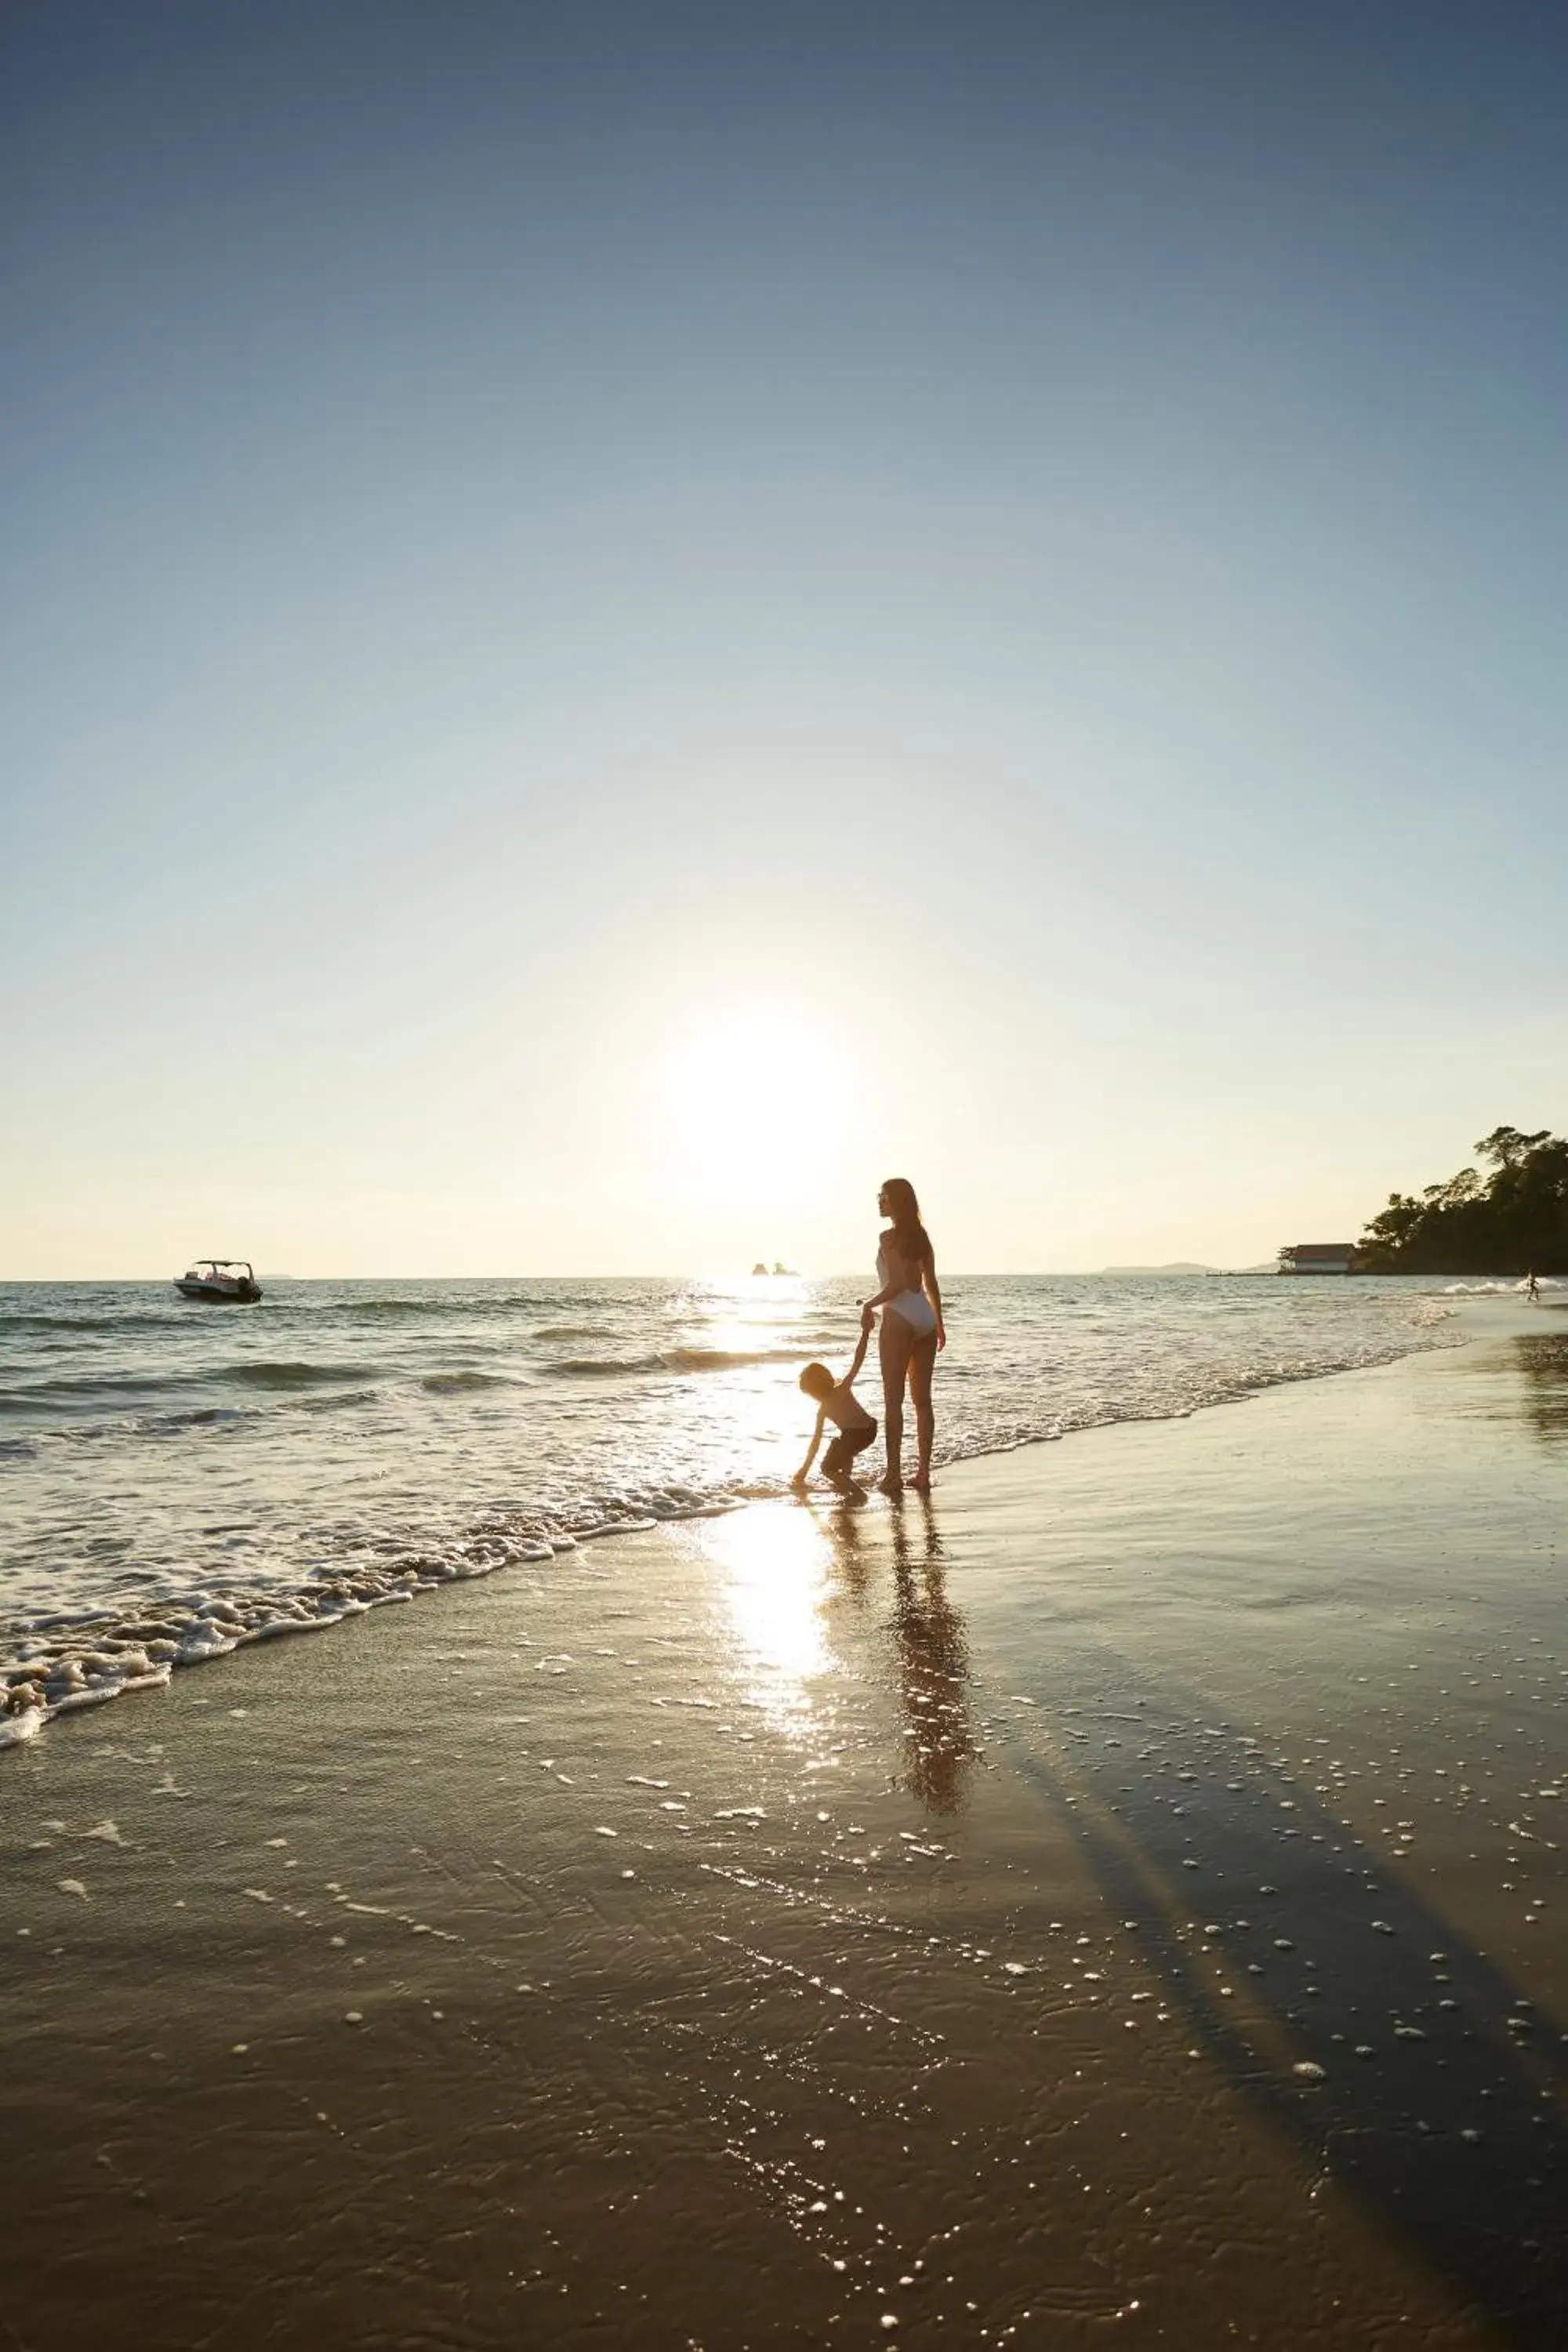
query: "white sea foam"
1499, 1289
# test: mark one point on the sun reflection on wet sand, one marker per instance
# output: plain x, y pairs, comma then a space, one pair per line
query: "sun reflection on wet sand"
776, 1566
783, 1570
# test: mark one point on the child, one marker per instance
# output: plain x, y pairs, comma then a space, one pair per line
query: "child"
837, 1402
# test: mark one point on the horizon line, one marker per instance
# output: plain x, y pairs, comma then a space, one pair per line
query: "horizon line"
689, 1273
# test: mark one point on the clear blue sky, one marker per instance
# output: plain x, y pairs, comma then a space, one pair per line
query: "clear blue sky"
622, 619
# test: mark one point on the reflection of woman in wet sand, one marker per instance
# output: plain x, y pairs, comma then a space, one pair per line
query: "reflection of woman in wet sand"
911, 1328
933, 1673
930, 1650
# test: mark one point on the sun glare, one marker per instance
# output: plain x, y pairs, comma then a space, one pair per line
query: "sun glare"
757, 1105
777, 1568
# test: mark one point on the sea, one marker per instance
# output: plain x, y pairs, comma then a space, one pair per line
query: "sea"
177, 1479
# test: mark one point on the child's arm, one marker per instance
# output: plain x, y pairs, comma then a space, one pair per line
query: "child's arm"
804, 1473
859, 1355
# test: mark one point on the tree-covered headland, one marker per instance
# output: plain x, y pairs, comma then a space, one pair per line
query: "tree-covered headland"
1508, 1221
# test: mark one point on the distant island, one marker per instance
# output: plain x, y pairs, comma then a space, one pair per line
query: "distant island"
1514, 1221
1177, 1266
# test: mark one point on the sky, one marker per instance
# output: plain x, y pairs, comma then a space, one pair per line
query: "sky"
624, 619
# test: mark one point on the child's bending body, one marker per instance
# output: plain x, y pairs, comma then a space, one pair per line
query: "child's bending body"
837, 1402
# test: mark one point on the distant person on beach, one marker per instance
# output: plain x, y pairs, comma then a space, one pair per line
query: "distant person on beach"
837, 1402
1532, 1288
913, 1329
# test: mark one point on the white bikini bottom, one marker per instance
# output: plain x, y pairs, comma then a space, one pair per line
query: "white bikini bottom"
913, 1308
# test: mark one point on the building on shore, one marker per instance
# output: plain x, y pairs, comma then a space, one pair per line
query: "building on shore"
1317, 1257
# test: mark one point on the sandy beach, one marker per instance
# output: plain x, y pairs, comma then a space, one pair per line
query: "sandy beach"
1124, 1900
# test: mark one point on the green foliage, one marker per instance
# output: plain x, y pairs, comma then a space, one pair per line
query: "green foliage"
1513, 1221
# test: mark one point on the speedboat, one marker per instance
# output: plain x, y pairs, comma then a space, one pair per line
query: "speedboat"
220, 1281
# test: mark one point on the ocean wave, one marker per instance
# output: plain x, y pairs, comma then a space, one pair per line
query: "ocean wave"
196, 1416
458, 1383
158, 1427
438, 1306
96, 1387
42, 1394
724, 1359
288, 1375
384, 1310
67, 1326
675, 1360
60, 1663
336, 1400
1499, 1289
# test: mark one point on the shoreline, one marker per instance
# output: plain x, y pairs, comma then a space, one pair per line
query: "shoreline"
765, 1928
108, 1655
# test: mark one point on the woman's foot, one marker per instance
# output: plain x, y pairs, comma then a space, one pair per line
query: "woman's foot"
890, 1484
920, 1482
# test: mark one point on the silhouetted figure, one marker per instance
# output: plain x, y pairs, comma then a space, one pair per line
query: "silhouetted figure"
837, 1402
912, 1327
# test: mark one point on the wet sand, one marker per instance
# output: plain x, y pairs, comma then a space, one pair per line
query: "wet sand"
1122, 1901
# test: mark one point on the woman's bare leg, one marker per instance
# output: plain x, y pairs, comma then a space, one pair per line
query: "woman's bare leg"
923, 1364
893, 1345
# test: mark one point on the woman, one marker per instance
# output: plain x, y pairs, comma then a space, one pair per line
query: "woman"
911, 1328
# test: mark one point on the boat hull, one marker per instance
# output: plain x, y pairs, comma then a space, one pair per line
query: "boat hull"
209, 1296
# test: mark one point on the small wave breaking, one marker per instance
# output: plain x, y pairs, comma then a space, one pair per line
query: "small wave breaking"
1500, 1289
287, 1376
66, 1665
674, 1359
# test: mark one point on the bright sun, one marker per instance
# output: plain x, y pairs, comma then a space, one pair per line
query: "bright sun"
757, 1105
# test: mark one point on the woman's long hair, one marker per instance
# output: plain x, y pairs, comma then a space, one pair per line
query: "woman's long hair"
914, 1241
